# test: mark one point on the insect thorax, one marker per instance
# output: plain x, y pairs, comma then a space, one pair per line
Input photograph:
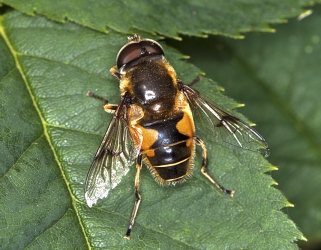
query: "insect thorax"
152, 86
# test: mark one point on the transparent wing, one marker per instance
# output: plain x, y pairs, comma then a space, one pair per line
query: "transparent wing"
115, 155
224, 128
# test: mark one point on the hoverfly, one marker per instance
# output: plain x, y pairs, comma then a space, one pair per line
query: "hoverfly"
153, 124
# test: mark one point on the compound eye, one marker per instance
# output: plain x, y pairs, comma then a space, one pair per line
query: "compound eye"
128, 53
132, 51
152, 47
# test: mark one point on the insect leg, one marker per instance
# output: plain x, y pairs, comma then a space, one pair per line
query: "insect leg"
197, 79
110, 108
115, 72
91, 94
138, 197
199, 142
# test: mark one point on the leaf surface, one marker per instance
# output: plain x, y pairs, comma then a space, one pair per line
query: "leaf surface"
280, 74
50, 133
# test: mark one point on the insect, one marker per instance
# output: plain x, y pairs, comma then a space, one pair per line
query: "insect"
153, 124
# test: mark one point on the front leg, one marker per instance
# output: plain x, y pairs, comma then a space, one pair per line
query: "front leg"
115, 72
110, 108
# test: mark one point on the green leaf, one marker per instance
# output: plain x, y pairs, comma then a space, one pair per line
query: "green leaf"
168, 17
49, 134
281, 73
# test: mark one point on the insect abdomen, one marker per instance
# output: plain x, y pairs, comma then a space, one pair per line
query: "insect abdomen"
171, 162
168, 152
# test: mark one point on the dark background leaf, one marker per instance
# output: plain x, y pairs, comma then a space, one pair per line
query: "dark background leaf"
56, 65
281, 73
167, 17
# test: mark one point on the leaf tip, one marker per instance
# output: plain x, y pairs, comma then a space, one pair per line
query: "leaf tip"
304, 14
220, 88
238, 36
303, 238
289, 204
273, 168
271, 30
240, 105
284, 20
177, 38
275, 183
